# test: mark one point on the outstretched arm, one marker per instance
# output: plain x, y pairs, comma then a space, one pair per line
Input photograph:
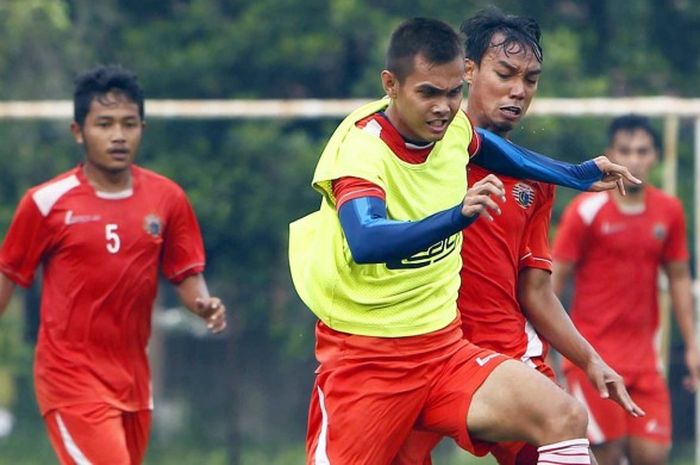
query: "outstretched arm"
194, 294
682, 302
546, 314
504, 157
7, 287
373, 238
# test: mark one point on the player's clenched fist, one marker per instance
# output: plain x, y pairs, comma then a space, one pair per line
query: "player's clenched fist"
481, 198
213, 311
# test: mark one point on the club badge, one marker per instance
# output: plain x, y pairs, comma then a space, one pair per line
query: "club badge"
523, 194
153, 225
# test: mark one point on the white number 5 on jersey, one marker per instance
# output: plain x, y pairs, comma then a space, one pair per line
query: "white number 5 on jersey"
113, 241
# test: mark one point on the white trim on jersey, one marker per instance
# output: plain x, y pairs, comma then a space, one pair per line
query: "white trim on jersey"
71, 447
46, 197
373, 127
595, 434
535, 348
589, 208
125, 194
321, 455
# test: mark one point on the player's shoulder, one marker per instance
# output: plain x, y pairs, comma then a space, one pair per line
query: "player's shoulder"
659, 196
588, 205
48, 193
156, 181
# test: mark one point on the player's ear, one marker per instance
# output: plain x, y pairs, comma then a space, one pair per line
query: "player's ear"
77, 131
390, 83
469, 67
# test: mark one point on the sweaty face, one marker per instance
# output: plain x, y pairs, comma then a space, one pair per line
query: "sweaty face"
502, 85
427, 100
111, 133
634, 150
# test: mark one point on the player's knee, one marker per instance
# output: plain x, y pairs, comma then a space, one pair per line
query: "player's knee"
568, 422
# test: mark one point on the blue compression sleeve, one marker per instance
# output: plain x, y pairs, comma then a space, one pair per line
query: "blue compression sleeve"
375, 239
502, 156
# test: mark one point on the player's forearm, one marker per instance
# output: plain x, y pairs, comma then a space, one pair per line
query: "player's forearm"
7, 287
503, 157
190, 289
547, 315
682, 303
375, 239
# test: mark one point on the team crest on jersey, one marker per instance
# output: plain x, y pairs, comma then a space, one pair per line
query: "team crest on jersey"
523, 194
153, 225
659, 231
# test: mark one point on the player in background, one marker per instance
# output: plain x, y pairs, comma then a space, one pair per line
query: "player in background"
506, 300
102, 232
379, 264
613, 246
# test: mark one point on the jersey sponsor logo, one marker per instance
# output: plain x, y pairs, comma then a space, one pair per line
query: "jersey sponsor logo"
523, 194
611, 228
433, 254
659, 231
483, 361
153, 225
77, 219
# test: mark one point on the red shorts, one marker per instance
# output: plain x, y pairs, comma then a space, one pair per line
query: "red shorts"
417, 448
370, 392
98, 433
608, 421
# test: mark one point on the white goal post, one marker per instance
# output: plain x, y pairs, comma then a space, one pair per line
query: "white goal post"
671, 109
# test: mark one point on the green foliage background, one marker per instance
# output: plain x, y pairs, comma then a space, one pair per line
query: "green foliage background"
242, 398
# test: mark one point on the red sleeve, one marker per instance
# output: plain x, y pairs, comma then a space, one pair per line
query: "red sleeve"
475, 143
569, 241
183, 248
349, 188
537, 234
676, 246
25, 243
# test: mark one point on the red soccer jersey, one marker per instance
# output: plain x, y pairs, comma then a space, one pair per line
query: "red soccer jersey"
101, 254
492, 255
617, 256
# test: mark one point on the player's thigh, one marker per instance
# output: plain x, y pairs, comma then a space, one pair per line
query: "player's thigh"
611, 452
362, 415
647, 452
518, 403
137, 429
452, 391
607, 421
417, 448
88, 433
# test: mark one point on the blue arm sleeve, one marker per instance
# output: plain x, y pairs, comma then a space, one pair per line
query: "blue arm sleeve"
502, 156
375, 239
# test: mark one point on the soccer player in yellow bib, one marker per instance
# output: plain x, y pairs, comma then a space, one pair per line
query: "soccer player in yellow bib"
379, 264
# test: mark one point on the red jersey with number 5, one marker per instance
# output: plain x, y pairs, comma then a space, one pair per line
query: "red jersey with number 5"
101, 254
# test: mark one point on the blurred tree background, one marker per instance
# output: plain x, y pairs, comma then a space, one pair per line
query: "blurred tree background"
242, 398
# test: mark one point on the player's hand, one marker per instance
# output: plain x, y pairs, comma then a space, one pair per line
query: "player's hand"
610, 385
480, 198
614, 176
692, 362
213, 311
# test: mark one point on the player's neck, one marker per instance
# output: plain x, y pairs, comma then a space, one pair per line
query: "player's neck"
107, 181
634, 196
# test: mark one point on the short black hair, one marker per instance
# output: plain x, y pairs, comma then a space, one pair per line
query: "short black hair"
436, 40
98, 82
631, 123
478, 32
